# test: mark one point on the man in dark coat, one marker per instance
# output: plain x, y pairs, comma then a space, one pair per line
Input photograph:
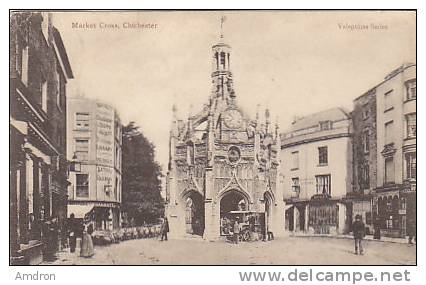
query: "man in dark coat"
164, 229
376, 228
358, 229
411, 230
73, 232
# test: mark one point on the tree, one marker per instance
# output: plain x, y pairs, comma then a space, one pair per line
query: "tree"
141, 178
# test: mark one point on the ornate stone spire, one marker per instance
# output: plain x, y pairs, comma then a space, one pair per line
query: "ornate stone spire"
222, 88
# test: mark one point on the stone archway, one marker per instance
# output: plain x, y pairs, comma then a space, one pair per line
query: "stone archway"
193, 202
232, 200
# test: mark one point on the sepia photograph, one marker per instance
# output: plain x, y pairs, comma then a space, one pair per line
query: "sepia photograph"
212, 137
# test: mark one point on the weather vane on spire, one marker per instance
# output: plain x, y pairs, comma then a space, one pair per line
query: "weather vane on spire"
222, 20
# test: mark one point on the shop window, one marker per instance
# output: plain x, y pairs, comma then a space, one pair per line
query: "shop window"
323, 184
403, 204
323, 215
411, 125
323, 155
82, 185
368, 218
389, 222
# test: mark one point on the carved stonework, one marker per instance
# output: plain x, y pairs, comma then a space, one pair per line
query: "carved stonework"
220, 149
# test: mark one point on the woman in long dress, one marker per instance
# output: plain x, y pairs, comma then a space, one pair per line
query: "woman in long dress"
87, 242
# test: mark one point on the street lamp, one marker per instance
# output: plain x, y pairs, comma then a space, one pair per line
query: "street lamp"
75, 165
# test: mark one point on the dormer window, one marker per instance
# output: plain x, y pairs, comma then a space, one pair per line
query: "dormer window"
325, 125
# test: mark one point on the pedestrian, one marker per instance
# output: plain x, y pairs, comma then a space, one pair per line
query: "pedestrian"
73, 229
164, 229
358, 229
87, 249
376, 228
236, 230
411, 230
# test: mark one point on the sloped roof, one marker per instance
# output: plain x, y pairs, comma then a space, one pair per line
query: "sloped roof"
333, 115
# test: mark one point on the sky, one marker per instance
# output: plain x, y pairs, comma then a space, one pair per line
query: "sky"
293, 62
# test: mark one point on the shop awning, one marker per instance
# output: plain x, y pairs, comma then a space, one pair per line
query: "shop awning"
79, 211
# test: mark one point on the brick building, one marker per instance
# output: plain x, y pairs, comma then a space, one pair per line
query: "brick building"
385, 157
364, 139
39, 70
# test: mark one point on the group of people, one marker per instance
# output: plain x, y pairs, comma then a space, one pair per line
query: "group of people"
245, 229
84, 231
77, 229
359, 232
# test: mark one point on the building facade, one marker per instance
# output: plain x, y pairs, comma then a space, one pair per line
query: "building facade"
364, 138
223, 164
394, 199
317, 171
95, 143
39, 70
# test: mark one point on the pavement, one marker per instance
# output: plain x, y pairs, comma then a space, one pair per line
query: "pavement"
282, 251
368, 237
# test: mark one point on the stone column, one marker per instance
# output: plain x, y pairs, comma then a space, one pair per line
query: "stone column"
279, 219
307, 218
210, 231
296, 226
208, 219
342, 218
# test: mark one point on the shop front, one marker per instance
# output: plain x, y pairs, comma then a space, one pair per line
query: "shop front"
395, 210
321, 215
103, 216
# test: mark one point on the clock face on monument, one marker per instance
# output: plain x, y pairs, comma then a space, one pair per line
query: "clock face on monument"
233, 119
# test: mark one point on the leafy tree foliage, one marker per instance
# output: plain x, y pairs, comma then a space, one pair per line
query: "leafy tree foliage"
141, 178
